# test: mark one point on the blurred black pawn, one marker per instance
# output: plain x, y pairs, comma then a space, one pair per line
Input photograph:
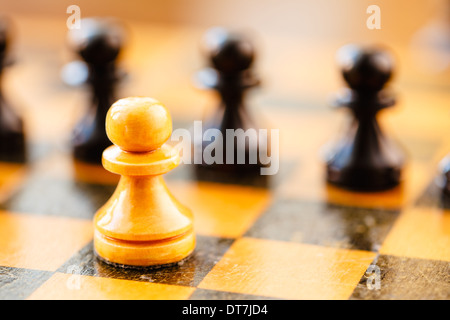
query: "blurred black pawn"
12, 137
365, 159
445, 168
231, 56
98, 43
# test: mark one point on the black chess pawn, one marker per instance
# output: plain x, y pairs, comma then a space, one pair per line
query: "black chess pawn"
231, 56
445, 165
365, 159
12, 137
98, 42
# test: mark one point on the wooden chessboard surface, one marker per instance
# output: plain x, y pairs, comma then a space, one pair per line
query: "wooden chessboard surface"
295, 238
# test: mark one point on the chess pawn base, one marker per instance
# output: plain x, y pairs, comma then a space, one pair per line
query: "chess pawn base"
12, 147
143, 225
235, 173
12, 137
234, 168
365, 160
364, 179
447, 184
239, 170
246, 152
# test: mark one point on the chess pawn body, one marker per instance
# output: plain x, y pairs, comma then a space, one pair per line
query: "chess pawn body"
98, 42
12, 137
142, 224
445, 165
365, 159
231, 56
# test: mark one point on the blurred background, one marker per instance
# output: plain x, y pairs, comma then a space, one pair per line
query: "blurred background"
345, 19
296, 39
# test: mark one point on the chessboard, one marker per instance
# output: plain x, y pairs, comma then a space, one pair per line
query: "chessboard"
292, 237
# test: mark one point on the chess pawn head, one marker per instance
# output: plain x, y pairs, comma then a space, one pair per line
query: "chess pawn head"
139, 127
3, 36
138, 124
4, 39
366, 70
229, 53
142, 224
98, 41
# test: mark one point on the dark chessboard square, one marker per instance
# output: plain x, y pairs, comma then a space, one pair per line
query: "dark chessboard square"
59, 197
18, 284
404, 278
434, 197
327, 225
190, 272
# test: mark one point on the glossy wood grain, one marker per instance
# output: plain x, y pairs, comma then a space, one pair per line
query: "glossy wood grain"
75, 287
40, 243
302, 271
